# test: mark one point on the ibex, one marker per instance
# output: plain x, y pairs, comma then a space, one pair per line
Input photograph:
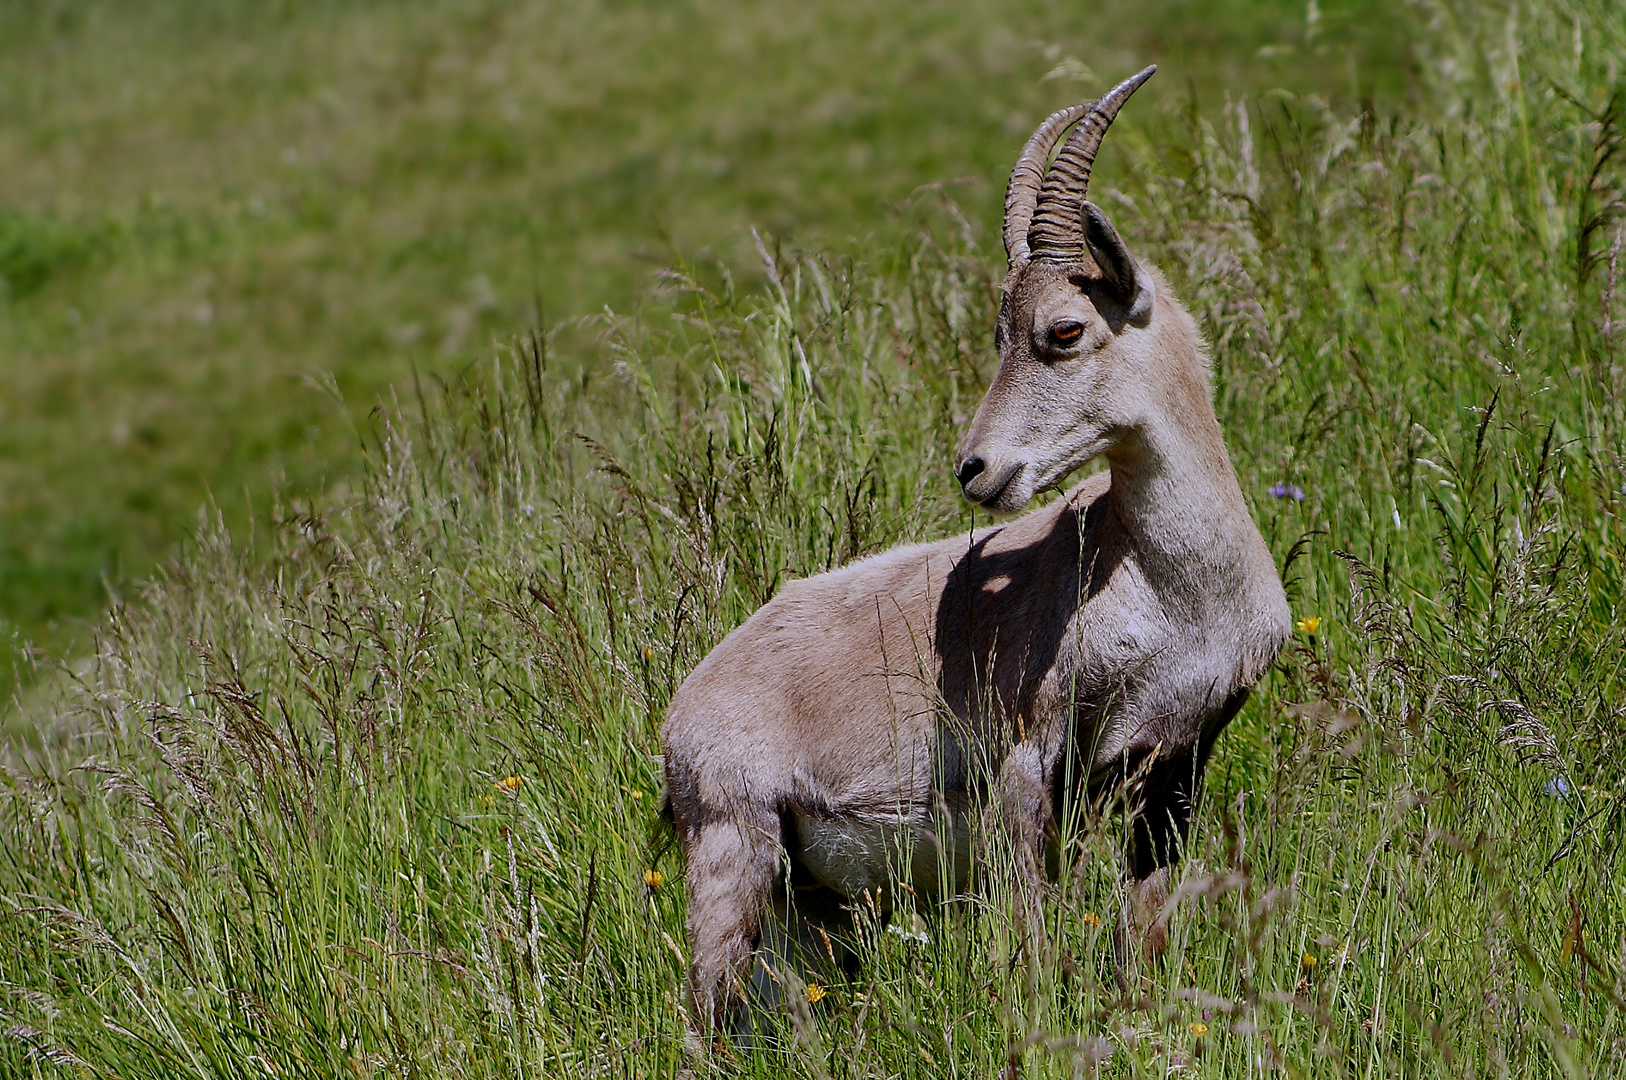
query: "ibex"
866, 723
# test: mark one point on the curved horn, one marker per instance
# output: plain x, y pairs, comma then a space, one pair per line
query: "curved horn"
1022, 192
1057, 229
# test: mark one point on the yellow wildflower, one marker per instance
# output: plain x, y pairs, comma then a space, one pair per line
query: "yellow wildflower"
1308, 960
1198, 1028
1309, 624
654, 878
649, 654
815, 993
507, 783
1091, 919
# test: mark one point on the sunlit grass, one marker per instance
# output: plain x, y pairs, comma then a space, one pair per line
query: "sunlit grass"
374, 795
209, 206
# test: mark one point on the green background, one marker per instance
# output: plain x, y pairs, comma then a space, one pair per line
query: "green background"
228, 229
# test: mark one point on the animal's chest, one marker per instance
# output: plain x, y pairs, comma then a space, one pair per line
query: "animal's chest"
1153, 678
1125, 640
1118, 659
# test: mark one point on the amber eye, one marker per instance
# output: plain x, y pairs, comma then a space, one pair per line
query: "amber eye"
1067, 332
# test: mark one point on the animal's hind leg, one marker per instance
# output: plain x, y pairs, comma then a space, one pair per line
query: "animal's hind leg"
731, 864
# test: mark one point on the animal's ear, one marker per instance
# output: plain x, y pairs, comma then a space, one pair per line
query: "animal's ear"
1123, 274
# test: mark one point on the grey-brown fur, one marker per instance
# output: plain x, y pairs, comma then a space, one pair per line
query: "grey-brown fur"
863, 721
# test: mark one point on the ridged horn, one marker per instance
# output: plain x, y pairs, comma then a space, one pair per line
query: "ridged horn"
1022, 193
1056, 231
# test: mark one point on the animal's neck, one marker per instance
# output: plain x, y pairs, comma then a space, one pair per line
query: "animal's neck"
1176, 495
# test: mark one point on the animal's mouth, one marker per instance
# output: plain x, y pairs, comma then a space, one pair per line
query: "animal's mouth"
989, 491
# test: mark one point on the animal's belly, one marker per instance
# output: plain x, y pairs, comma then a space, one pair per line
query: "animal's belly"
852, 854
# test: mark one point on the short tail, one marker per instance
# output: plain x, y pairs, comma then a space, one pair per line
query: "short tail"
663, 830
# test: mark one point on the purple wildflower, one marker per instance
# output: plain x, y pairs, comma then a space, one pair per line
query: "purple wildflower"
1287, 491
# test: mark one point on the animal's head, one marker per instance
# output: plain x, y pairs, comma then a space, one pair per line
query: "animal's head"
1077, 328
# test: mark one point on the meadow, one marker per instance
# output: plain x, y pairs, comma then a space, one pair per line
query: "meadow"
229, 228
369, 789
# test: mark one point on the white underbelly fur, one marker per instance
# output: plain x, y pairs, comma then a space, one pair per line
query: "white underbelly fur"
853, 854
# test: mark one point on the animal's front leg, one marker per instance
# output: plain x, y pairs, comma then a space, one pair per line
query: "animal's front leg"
1144, 928
1020, 810
1161, 805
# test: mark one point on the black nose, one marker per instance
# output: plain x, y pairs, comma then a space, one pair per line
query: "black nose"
969, 469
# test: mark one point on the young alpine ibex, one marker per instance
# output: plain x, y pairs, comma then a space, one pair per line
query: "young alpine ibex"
864, 724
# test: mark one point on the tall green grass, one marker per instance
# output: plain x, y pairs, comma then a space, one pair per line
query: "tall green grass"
217, 213
369, 793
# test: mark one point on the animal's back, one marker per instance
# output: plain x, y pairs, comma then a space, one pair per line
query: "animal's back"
795, 699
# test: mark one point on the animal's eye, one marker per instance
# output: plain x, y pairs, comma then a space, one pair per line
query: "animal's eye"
1067, 332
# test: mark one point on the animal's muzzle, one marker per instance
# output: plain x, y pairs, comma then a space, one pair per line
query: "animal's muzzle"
970, 468
983, 486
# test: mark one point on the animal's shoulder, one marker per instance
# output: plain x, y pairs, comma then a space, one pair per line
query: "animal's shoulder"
914, 576
876, 602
